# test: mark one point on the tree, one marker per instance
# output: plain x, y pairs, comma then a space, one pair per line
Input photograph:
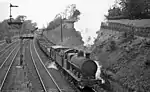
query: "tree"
29, 25
129, 9
4, 29
132, 8
135, 8
56, 22
76, 13
70, 12
20, 18
115, 11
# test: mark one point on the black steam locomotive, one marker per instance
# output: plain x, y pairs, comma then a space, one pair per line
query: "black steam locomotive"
75, 64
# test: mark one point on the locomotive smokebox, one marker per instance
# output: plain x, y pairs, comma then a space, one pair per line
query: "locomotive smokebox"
89, 68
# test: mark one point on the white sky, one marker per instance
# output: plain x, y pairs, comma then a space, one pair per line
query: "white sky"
43, 11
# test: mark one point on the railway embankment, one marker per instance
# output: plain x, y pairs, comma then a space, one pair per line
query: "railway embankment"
124, 49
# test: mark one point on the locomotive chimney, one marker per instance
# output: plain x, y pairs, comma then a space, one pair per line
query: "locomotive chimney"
87, 55
80, 54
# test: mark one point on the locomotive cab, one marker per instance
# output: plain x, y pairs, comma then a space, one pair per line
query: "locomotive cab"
57, 54
67, 56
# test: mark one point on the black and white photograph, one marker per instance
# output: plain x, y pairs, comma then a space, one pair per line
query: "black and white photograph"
74, 45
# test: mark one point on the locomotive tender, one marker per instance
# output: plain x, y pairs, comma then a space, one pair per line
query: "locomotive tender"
75, 64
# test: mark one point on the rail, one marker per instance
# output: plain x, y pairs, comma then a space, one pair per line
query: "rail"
47, 69
7, 46
38, 71
5, 77
4, 52
8, 57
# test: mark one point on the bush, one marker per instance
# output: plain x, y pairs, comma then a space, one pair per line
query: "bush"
111, 46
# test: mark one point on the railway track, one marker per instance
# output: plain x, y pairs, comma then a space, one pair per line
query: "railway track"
5, 54
31, 72
46, 79
57, 75
7, 50
2, 46
5, 47
6, 68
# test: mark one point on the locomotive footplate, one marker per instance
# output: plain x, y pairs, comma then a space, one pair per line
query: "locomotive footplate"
89, 83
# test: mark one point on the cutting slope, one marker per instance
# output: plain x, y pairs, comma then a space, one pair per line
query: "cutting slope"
71, 37
126, 57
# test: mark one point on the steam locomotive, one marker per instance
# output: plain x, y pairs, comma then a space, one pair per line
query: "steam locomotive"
75, 64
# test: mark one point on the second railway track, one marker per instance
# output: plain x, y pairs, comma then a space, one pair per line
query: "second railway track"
7, 46
6, 68
46, 79
6, 53
31, 72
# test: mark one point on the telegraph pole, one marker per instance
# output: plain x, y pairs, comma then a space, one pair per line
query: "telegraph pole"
21, 40
61, 28
61, 31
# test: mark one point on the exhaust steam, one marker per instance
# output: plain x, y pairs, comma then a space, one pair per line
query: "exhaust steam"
51, 65
98, 72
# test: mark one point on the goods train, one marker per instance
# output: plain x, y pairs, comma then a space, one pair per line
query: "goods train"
75, 64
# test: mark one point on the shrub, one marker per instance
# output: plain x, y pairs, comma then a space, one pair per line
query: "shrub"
111, 46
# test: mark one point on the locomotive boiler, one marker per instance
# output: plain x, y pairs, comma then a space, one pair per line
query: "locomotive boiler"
87, 66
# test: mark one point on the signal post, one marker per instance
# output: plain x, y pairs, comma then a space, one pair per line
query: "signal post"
20, 36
